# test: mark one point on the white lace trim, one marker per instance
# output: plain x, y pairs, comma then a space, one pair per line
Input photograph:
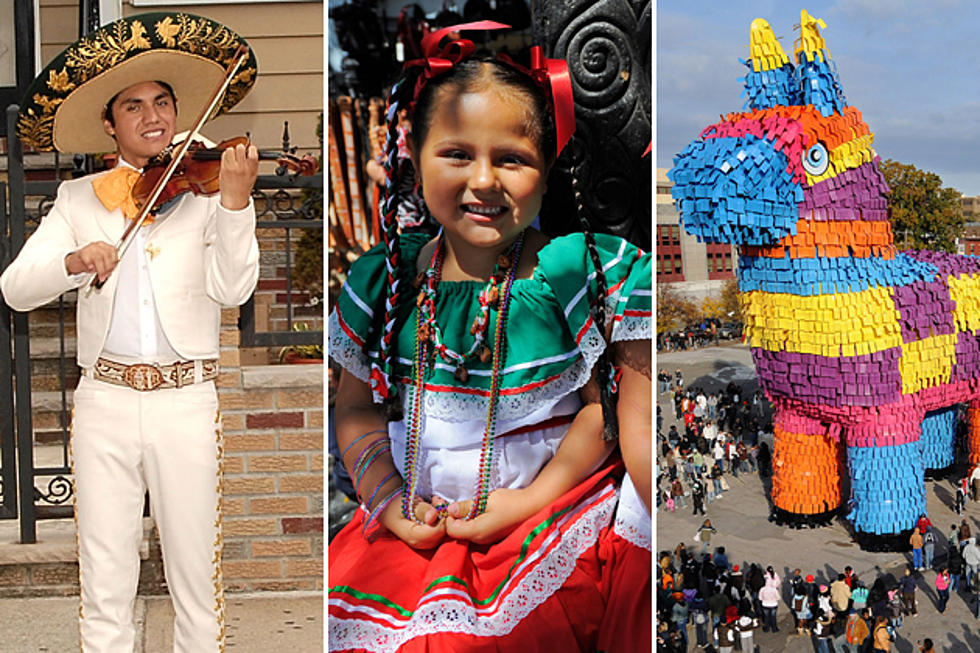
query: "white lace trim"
633, 328
633, 523
448, 610
344, 350
459, 407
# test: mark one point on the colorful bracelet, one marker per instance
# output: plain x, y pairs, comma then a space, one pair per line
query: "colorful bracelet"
367, 504
367, 464
359, 438
365, 453
372, 528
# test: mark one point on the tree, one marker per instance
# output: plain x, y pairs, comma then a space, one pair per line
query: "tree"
924, 215
674, 310
712, 307
731, 307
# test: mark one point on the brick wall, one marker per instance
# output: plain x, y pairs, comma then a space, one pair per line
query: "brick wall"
271, 312
272, 416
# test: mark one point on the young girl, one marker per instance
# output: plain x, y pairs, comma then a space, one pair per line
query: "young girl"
477, 390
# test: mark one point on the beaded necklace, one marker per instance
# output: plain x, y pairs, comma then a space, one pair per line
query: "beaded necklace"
428, 340
488, 297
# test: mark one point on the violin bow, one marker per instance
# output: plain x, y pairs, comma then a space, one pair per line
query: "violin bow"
129, 235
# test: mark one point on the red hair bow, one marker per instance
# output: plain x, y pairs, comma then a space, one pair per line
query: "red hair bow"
551, 74
440, 60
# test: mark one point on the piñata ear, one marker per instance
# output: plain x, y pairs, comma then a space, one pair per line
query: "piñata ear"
819, 84
771, 80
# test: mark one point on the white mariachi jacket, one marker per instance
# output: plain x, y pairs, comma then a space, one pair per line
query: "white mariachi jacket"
204, 257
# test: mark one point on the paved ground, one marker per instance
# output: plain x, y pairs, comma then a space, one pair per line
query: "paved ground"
257, 623
741, 519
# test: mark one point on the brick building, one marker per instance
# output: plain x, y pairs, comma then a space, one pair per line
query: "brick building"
694, 269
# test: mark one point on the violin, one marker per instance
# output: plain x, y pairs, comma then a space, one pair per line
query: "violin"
197, 171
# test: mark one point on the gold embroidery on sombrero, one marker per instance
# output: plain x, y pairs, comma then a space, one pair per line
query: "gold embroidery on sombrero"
59, 82
207, 39
46, 103
105, 49
241, 84
35, 131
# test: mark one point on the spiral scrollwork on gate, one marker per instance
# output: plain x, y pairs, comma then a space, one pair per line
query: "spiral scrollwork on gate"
58, 492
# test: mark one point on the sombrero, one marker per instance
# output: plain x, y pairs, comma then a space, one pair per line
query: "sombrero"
62, 109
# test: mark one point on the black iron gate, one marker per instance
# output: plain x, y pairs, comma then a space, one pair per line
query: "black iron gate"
42, 489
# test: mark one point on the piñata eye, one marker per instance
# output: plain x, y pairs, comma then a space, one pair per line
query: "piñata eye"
816, 160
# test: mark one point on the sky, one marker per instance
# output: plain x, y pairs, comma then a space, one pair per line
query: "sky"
911, 67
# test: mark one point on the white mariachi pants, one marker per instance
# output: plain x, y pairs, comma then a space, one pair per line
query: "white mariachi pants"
167, 441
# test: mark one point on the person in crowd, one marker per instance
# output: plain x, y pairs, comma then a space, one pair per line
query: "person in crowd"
801, 609
704, 534
700, 618
955, 563
915, 539
840, 595
959, 504
697, 495
926, 646
975, 482
964, 533
721, 559
677, 494
821, 629
746, 625
895, 609
718, 603
727, 635
971, 559
769, 597
928, 547
906, 586
942, 588
881, 639
953, 537
679, 614
859, 595
856, 631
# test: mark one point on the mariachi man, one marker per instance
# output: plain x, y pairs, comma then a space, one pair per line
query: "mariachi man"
146, 410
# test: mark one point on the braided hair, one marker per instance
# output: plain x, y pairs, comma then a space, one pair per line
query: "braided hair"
604, 367
387, 386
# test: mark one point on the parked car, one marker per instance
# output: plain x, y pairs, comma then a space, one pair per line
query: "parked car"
730, 330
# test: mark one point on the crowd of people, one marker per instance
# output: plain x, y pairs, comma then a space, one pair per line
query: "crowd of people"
705, 600
725, 603
721, 434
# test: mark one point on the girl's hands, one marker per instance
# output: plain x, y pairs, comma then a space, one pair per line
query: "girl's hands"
506, 509
417, 536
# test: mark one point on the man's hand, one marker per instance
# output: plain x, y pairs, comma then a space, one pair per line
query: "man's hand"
239, 168
99, 257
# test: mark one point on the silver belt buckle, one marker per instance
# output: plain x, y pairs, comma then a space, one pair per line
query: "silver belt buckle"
143, 377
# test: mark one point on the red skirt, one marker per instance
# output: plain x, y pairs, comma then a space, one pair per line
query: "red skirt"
537, 590
626, 585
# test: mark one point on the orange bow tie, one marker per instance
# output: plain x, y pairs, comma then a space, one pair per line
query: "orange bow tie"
115, 191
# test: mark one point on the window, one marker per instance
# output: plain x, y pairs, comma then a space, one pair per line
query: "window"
719, 261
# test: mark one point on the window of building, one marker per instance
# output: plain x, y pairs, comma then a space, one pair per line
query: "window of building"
720, 264
670, 263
